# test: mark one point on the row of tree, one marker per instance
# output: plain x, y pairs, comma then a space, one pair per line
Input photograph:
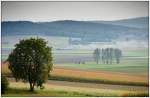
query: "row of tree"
107, 56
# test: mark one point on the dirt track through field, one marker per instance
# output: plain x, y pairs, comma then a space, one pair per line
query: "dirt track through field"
98, 86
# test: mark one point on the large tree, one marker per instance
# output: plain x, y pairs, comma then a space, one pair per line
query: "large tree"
31, 61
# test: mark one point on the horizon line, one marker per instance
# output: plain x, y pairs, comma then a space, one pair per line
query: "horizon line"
73, 20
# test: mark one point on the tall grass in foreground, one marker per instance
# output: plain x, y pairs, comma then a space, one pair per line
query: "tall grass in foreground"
15, 92
22, 92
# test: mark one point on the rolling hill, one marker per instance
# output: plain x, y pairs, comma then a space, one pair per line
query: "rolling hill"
86, 30
141, 22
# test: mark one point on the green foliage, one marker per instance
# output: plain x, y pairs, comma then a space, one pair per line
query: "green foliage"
4, 84
118, 54
31, 61
96, 55
107, 55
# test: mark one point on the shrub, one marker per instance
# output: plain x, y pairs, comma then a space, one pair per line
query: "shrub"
4, 84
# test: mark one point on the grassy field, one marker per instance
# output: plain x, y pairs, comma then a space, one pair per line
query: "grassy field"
143, 52
133, 66
62, 90
80, 52
24, 92
99, 77
96, 76
130, 72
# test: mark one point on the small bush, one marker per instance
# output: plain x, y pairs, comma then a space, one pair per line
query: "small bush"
4, 84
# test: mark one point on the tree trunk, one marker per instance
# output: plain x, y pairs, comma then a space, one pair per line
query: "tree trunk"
31, 87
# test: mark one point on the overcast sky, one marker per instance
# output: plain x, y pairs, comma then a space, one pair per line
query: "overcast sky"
49, 11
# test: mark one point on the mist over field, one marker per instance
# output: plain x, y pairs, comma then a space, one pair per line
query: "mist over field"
93, 49
123, 42
81, 32
64, 35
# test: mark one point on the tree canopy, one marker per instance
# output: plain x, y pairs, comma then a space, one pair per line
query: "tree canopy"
96, 55
107, 55
31, 61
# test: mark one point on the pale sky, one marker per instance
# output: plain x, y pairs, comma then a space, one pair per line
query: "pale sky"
50, 11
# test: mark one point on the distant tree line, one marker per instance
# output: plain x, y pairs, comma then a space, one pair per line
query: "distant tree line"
107, 56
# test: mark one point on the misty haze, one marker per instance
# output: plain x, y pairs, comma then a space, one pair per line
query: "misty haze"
91, 55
